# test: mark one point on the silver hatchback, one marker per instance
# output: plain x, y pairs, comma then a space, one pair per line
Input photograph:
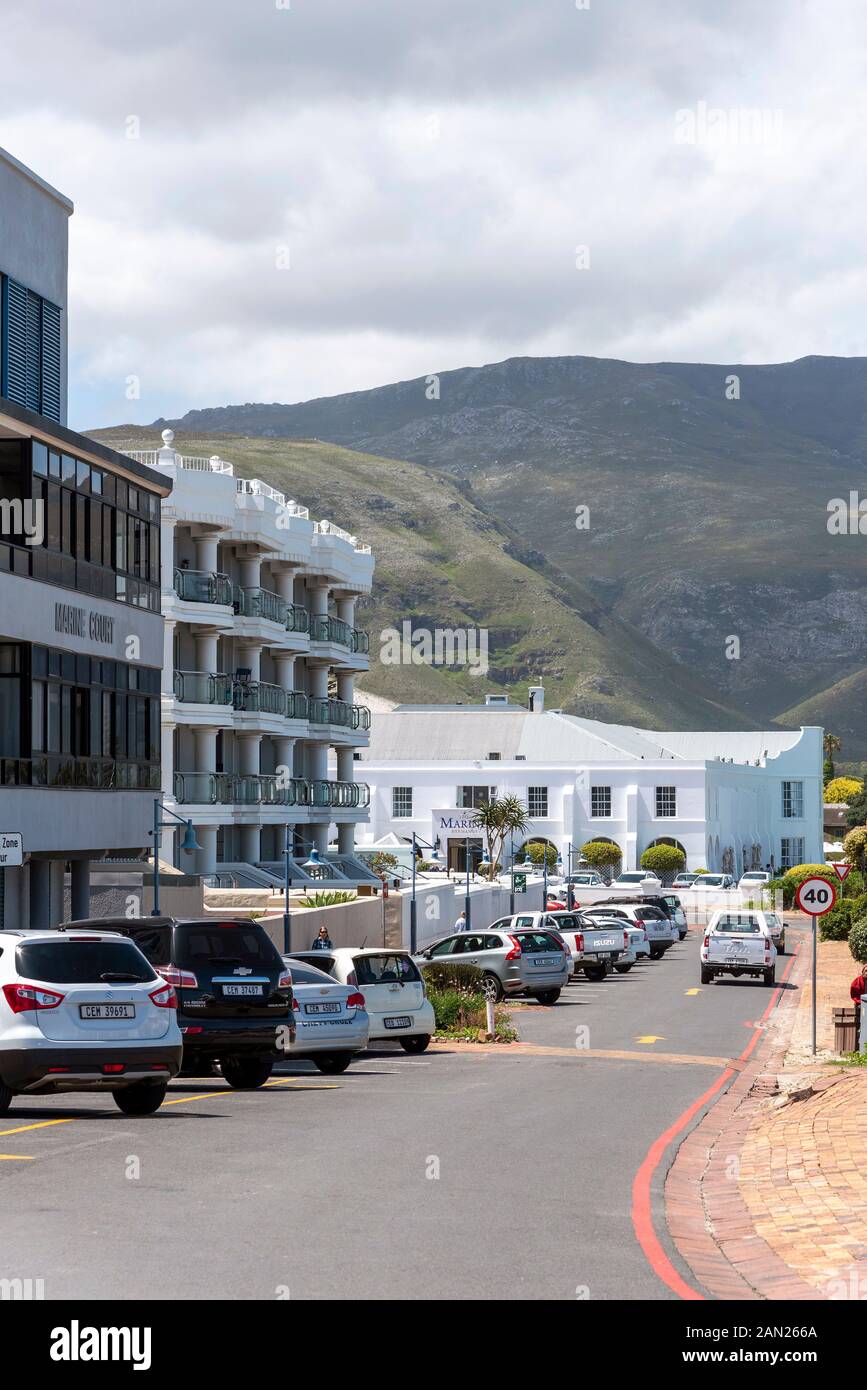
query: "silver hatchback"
517, 961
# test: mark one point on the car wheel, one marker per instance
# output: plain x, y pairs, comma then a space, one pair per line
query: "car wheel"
623, 969
5, 1097
656, 953
771, 977
548, 996
415, 1044
144, 1098
333, 1062
246, 1073
492, 989
706, 976
596, 973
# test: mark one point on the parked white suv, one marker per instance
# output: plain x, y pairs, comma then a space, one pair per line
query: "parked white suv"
83, 1011
738, 942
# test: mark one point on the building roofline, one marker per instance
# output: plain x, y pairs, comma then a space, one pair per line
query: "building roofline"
50, 432
40, 183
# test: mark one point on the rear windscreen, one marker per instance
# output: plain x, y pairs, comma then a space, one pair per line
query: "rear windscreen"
384, 970
307, 974
225, 943
566, 921
82, 962
738, 922
537, 941
154, 942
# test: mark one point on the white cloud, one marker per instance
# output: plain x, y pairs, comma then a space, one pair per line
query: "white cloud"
432, 170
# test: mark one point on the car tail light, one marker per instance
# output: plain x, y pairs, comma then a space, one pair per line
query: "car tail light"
113, 1068
285, 980
516, 949
579, 941
164, 997
707, 941
195, 1029
22, 998
626, 941
639, 922
57, 1069
181, 979
355, 1000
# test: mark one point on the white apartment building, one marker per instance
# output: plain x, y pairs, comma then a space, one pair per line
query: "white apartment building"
731, 801
260, 660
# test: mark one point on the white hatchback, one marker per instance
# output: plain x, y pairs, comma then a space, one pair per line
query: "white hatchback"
81, 1011
393, 989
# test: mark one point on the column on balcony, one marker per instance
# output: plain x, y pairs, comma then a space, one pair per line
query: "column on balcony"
206, 645
346, 686
284, 583
205, 740
168, 530
345, 764
250, 844
250, 571
206, 857
284, 665
318, 599
346, 837
248, 753
346, 609
284, 757
249, 657
168, 673
207, 550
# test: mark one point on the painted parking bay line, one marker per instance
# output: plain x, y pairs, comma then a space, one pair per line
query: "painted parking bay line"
16, 1158
39, 1124
650, 1038
694, 990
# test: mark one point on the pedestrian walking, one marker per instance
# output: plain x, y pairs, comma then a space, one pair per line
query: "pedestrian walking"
322, 941
461, 923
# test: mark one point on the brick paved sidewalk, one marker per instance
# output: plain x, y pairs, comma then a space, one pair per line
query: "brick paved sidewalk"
767, 1197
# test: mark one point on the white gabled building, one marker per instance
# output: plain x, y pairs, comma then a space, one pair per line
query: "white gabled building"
731, 801
258, 690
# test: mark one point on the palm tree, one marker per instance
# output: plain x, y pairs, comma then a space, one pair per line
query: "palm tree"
831, 744
500, 819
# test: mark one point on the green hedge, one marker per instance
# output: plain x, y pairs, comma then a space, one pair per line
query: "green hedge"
441, 975
663, 859
858, 940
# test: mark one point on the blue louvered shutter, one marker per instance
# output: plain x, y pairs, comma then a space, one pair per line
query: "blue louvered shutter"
34, 353
50, 360
14, 345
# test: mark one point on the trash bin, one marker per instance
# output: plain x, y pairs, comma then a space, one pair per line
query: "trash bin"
845, 1030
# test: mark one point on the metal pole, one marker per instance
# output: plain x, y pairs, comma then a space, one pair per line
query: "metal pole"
467, 908
545, 876
815, 934
413, 919
287, 920
512, 885
155, 910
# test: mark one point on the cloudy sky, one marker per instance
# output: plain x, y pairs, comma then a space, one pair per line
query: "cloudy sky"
280, 199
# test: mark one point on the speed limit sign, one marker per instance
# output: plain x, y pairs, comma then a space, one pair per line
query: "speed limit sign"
816, 896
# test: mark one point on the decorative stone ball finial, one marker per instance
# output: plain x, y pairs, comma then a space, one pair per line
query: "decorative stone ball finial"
168, 437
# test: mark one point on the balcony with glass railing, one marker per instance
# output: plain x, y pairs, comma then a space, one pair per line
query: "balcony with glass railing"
266, 789
338, 713
203, 688
265, 604
203, 586
360, 641
325, 628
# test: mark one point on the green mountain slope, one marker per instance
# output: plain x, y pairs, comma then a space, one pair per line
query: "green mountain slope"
441, 562
708, 515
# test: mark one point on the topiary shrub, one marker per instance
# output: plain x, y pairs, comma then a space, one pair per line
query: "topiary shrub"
663, 859
601, 854
858, 941
536, 851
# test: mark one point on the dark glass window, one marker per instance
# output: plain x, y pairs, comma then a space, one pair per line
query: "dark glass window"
40, 459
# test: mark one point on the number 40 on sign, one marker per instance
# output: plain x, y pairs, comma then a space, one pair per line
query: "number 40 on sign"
816, 896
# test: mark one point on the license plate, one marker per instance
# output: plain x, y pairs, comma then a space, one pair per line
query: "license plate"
107, 1010
254, 991
400, 1022
545, 961
737, 960
322, 1008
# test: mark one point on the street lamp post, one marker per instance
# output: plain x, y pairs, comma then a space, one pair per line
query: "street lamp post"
413, 908
188, 843
287, 883
467, 906
520, 861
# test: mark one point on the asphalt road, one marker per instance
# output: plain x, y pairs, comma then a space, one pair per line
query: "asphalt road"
458, 1174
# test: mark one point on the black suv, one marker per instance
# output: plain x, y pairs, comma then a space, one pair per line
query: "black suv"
234, 992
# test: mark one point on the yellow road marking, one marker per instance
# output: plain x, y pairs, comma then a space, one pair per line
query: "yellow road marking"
18, 1158
481, 1051
236, 1095
692, 991
40, 1124
651, 1038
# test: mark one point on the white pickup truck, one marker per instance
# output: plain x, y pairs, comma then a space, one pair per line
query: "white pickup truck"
738, 943
602, 946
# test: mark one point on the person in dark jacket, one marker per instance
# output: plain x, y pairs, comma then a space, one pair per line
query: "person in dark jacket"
322, 941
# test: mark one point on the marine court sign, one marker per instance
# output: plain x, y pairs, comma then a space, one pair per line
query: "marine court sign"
83, 622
